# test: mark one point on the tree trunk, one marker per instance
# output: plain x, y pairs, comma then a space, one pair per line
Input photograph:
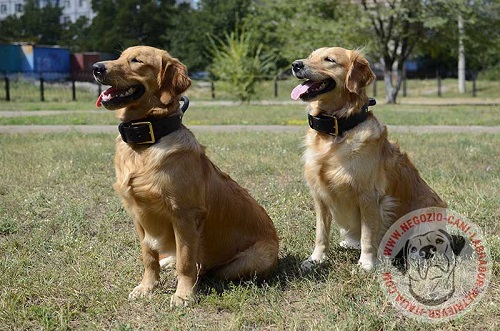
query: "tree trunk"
389, 89
392, 88
461, 56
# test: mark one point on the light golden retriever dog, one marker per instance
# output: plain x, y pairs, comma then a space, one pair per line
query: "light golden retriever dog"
357, 177
185, 210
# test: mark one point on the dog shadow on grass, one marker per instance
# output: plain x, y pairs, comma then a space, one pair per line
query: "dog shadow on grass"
340, 264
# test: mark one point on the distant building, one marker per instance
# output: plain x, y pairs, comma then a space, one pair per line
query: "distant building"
11, 7
71, 9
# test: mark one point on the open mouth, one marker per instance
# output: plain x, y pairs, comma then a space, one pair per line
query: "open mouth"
115, 97
310, 89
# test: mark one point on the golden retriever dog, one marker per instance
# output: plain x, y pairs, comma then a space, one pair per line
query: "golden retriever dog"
356, 176
185, 210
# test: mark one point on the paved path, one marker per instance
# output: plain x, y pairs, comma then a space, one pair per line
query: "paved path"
475, 129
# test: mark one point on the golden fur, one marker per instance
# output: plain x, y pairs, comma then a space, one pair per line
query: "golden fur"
360, 180
185, 210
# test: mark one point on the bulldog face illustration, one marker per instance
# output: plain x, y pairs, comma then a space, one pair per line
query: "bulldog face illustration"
429, 261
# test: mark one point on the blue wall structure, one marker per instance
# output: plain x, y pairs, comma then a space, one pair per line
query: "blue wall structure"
10, 58
50, 63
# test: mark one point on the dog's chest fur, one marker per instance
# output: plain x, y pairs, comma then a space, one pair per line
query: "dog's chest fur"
154, 182
347, 165
133, 180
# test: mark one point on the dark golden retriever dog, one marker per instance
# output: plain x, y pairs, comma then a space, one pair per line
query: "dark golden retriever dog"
185, 210
356, 176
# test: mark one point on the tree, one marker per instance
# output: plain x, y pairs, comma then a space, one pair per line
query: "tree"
77, 35
49, 28
123, 23
36, 25
397, 27
239, 61
291, 29
189, 37
10, 28
405, 27
466, 30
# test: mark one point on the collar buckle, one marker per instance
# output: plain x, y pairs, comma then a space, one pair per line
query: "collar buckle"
151, 132
335, 127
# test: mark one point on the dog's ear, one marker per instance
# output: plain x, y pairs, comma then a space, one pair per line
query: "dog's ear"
173, 79
457, 242
359, 75
399, 260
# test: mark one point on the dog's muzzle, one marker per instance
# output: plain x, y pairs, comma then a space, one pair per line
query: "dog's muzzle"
297, 68
99, 70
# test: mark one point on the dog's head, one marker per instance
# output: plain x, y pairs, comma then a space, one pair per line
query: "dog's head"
335, 77
143, 80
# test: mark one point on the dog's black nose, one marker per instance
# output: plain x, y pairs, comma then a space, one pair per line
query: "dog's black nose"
297, 65
427, 252
99, 69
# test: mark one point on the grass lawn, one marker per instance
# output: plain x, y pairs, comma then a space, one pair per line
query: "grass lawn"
288, 114
25, 95
70, 255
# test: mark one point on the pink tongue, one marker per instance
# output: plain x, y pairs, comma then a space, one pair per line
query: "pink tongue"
300, 89
98, 103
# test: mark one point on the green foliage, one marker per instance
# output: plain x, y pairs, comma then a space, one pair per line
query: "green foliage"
291, 29
10, 27
239, 61
37, 25
492, 73
123, 23
393, 30
481, 38
77, 35
188, 39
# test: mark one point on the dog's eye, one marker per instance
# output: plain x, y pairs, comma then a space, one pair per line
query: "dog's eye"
329, 59
439, 241
413, 250
136, 60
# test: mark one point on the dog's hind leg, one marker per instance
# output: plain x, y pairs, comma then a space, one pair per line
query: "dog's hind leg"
256, 261
348, 240
167, 261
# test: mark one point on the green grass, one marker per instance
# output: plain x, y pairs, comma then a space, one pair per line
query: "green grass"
416, 88
70, 254
47, 105
289, 114
55, 93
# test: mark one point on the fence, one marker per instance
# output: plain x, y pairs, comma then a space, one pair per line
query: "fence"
51, 86
17, 87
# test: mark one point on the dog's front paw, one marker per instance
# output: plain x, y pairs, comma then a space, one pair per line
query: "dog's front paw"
309, 264
367, 262
180, 301
141, 291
